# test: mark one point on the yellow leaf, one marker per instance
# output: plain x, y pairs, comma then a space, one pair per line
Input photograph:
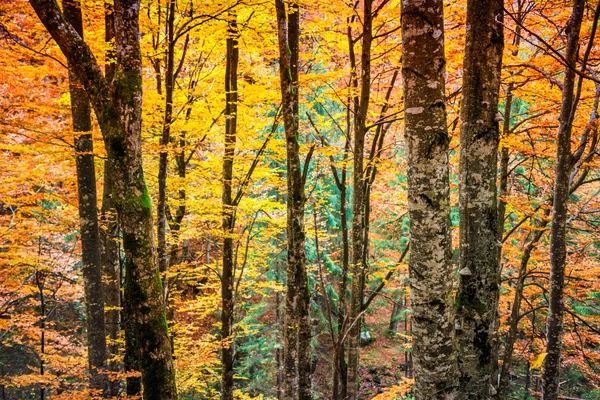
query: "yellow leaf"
538, 361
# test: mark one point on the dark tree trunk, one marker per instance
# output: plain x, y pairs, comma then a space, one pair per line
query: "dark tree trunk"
359, 204
515, 315
558, 245
88, 216
231, 98
109, 235
132, 355
478, 291
297, 333
118, 110
506, 130
426, 135
40, 281
165, 140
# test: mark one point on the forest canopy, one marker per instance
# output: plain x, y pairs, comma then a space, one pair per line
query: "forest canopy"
288, 199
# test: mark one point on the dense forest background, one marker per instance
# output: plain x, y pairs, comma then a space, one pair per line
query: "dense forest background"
257, 113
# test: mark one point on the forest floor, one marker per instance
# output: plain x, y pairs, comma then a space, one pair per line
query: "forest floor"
382, 361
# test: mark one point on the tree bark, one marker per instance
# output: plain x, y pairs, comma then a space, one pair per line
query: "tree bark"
477, 296
119, 113
165, 140
231, 98
109, 235
426, 135
515, 315
359, 203
558, 245
297, 333
88, 216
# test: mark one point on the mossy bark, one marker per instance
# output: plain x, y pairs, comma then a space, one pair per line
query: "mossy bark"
426, 135
118, 108
297, 333
109, 238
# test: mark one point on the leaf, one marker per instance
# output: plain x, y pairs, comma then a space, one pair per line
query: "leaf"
538, 361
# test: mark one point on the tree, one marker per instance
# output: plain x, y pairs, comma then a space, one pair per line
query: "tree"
558, 240
227, 278
360, 199
477, 296
297, 333
110, 250
118, 110
426, 134
88, 216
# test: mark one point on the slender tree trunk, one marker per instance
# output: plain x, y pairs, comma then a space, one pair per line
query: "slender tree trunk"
280, 326
506, 130
40, 280
297, 334
423, 69
119, 113
231, 98
132, 355
558, 245
340, 372
109, 235
395, 318
359, 206
88, 215
165, 140
515, 315
478, 291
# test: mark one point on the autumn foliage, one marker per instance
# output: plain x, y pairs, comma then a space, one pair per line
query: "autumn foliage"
43, 341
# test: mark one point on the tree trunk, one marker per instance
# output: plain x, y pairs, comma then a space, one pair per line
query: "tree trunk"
119, 113
297, 333
558, 245
359, 204
109, 235
88, 216
132, 355
478, 291
515, 315
165, 140
423, 69
231, 98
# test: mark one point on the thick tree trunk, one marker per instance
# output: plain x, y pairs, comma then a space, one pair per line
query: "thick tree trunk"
478, 292
118, 109
297, 333
231, 98
88, 216
426, 135
558, 245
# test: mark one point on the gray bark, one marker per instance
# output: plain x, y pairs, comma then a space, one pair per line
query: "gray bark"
426, 135
477, 296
